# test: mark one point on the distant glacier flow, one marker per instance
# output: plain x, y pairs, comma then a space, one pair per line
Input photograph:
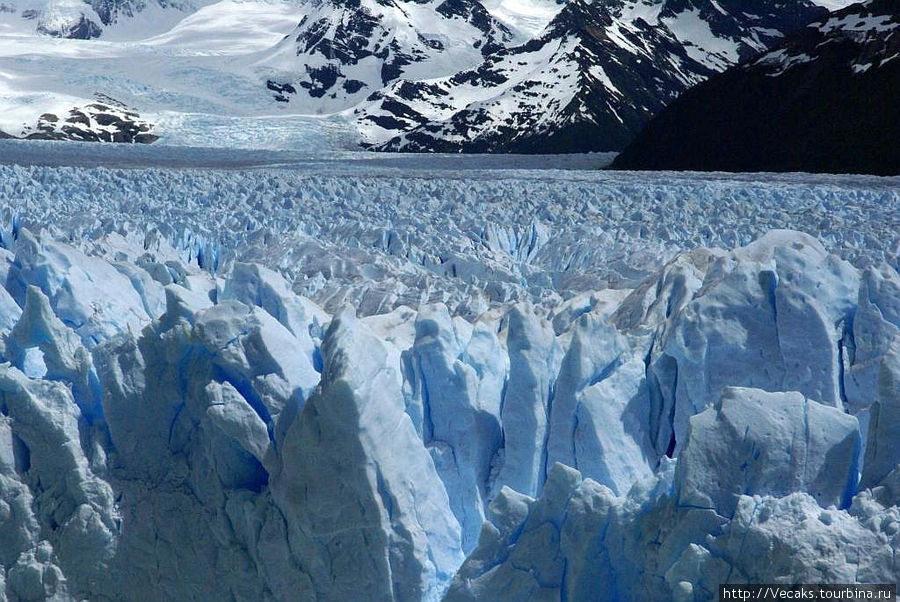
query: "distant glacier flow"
350, 380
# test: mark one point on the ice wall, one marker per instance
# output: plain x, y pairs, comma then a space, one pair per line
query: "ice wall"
733, 418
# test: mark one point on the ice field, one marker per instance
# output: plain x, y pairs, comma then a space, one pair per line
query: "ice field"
388, 230
269, 375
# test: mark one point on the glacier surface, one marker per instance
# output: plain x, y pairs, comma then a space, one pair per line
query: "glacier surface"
343, 379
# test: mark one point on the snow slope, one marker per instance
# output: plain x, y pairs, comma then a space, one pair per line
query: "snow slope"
444, 349
524, 18
193, 78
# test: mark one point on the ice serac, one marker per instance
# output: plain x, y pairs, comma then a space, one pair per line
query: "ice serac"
261, 358
254, 284
230, 412
882, 451
9, 310
666, 292
647, 545
194, 405
19, 529
42, 346
651, 312
770, 316
814, 545
35, 576
577, 541
86, 293
758, 443
612, 439
597, 419
154, 386
68, 503
372, 514
519, 555
790, 535
876, 324
534, 357
459, 428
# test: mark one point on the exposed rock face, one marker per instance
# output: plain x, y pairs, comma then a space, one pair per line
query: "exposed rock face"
95, 122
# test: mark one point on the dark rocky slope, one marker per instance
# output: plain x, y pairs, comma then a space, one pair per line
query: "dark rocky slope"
827, 99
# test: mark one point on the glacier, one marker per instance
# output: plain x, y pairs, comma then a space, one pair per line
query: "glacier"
347, 379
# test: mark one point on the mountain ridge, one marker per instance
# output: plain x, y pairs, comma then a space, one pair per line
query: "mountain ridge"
824, 100
589, 82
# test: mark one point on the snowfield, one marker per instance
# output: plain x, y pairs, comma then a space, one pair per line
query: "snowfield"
269, 376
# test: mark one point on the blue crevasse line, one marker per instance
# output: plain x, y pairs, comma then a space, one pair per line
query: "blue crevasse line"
846, 350
427, 422
851, 488
607, 371
545, 441
385, 495
318, 362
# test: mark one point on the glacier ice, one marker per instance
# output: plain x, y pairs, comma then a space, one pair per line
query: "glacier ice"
381, 232
369, 511
69, 278
71, 505
758, 443
578, 541
769, 316
460, 430
381, 431
599, 400
882, 455
61, 356
534, 357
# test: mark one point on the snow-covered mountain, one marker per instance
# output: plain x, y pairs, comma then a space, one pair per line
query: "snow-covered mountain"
344, 50
588, 82
396, 75
822, 100
189, 74
86, 19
